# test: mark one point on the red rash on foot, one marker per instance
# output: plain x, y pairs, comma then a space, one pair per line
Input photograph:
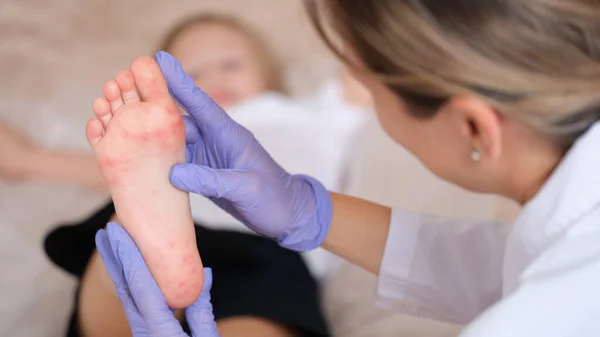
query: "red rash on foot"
144, 136
188, 259
110, 162
119, 168
178, 125
113, 181
127, 134
172, 111
162, 134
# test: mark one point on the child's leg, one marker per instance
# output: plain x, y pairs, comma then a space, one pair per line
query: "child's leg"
100, 312
138, 136
252, 327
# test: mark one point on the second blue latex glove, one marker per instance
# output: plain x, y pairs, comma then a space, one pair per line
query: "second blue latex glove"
227, 164
144, 305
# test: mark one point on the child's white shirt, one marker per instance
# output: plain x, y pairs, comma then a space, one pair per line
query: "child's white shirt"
309, 136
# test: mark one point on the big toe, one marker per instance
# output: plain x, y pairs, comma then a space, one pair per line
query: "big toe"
150, 81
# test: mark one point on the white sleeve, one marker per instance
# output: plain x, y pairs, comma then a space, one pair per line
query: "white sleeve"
445, 269
557, 295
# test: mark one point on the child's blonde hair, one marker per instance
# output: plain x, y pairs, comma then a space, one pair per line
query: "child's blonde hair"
270, 64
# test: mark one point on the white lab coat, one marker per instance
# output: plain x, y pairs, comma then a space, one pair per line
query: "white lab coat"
537, 277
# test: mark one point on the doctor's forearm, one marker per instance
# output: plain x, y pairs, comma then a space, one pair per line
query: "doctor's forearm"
358, 231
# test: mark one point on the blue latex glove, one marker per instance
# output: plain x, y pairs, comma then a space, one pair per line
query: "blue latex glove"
227, 164
144, 304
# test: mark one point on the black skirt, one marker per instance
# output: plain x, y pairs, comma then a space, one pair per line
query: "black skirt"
252, 276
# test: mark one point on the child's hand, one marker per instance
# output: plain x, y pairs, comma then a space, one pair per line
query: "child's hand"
15, 151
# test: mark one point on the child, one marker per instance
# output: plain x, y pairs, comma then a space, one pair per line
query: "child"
260, 289
234, 65
226, 58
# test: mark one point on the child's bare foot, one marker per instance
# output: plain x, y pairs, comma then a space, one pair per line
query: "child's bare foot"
138, 135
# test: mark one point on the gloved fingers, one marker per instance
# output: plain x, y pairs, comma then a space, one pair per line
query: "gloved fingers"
195, 101
205, 294
186, 177
200, 316
124, 248
208, 182
147, 305
191, 129
110, 261
142, 286
115, 271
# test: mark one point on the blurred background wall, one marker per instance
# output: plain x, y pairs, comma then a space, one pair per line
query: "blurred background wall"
81, 41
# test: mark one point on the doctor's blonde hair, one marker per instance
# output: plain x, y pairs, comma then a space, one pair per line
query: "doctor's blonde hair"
535, 61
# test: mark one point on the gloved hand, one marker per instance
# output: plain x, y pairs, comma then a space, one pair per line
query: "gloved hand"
144, 304
227, 164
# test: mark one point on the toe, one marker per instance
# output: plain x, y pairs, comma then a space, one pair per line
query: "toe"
112, 92
127, 85
93, 132
149, 80
101, 109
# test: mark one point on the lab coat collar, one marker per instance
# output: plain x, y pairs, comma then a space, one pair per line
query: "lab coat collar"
571, 192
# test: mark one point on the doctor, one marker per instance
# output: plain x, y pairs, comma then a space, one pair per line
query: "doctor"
496, 96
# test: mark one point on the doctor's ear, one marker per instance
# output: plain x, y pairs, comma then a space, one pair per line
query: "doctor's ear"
481, 128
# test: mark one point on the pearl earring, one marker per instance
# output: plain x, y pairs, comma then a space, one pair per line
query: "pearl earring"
476, 156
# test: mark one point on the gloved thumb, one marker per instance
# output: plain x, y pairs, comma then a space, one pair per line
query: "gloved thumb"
191, 130
200, 315
191, 98
206, 181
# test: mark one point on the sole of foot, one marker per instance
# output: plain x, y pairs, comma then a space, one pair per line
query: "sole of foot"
137, 136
